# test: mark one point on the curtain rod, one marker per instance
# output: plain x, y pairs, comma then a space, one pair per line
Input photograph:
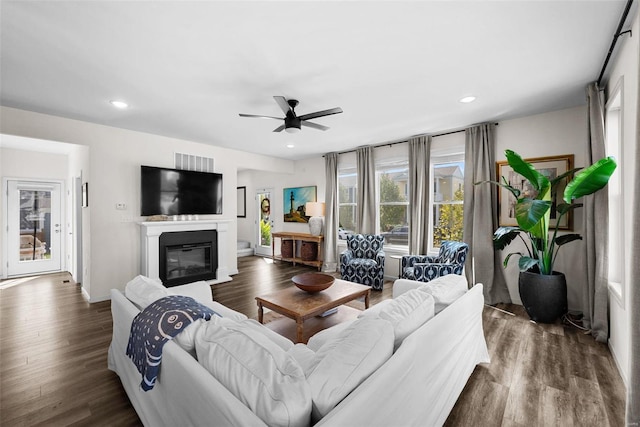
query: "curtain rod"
402, 141
617, 34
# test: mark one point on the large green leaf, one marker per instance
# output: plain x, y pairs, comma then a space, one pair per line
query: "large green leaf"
590, 180
525, 263
563, 208
566, 238
536, 179
529, 212
555, 181
508, 257
503, 236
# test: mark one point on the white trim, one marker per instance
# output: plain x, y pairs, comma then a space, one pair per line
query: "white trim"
5, 224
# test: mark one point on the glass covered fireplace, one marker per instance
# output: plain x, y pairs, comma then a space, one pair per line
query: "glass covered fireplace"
188, 256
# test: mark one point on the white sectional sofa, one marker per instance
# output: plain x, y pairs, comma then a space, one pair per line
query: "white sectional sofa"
415, 377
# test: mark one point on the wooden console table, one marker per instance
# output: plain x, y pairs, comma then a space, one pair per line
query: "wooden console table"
297, 237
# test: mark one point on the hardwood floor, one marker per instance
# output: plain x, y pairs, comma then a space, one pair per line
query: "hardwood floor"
53, 358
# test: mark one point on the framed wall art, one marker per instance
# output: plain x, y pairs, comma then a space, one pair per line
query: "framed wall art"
551, 167
242, 202
295, 199
85, 195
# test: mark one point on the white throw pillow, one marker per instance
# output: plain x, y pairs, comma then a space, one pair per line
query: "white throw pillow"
344, 363
326, 335
282, 342
445, 290
199, 291
255, 370
187, 337
375, 309
406, 313
142, 291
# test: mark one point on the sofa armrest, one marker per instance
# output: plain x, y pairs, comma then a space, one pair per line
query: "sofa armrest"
346, 256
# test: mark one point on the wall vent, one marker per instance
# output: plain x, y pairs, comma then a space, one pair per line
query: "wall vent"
193, 163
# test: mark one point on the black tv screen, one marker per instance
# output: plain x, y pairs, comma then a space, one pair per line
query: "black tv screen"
176, 192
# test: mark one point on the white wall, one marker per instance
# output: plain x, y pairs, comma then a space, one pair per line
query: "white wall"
624, 68
549, 134
115, 156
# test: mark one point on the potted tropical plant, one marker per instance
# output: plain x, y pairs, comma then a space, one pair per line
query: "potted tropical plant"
543, 291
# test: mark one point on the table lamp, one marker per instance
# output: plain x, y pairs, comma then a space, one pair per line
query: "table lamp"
316, 211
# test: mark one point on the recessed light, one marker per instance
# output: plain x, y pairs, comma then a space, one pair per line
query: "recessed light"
468, 99
290, 146
119, 104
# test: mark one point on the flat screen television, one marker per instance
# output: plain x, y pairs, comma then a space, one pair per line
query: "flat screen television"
166, 191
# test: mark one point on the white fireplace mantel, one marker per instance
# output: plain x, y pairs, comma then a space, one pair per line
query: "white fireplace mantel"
150, 232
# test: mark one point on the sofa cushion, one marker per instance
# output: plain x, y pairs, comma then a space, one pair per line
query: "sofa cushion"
326, 335
305, 357
445, 290
406, 313
282, 342
186, 338
344, 363
142, 291
224, 311
199, 291
256, 370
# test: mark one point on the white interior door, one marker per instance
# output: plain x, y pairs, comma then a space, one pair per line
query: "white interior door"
264, 223
34, 227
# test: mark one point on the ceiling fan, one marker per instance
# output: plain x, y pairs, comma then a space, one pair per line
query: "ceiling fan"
293, 122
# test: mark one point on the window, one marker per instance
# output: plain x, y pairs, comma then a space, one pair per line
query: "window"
447, 178
393, 199
613, 147
347, 192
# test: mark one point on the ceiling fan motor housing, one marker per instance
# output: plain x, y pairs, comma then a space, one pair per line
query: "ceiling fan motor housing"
291, 121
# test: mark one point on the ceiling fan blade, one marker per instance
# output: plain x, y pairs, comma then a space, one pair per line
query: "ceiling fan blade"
260, 117
279, 128
322, 113
282, 102
313, 125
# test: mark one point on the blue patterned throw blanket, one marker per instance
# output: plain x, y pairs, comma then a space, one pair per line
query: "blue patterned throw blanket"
154, 326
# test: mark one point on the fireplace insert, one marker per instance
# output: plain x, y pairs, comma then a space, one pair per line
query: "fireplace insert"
188, 256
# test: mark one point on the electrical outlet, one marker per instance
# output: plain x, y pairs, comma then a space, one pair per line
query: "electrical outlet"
126, 218
121, 206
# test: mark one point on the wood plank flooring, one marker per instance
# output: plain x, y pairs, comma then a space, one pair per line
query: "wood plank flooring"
53, 358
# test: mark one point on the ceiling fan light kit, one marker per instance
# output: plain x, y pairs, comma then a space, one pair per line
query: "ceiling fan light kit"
292, 122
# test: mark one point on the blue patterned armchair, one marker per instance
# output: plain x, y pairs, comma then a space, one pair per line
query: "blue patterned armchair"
363, 261
424, 268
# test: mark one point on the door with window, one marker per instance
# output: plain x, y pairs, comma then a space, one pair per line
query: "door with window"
34, 227
264, 223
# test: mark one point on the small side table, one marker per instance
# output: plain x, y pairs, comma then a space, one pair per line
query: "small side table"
399, 258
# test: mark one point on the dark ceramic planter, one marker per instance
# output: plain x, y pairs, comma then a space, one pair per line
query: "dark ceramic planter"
543, 296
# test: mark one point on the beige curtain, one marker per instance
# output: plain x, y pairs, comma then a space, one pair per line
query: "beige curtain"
633, 384
483, 263
330, 263
366, 196
594, 291
419, 194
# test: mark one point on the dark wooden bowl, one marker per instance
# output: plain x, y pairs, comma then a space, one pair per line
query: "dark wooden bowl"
313, 282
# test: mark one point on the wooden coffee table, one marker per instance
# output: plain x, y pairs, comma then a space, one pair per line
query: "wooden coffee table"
305, 308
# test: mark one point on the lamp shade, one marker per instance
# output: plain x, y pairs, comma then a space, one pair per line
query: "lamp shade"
314, 209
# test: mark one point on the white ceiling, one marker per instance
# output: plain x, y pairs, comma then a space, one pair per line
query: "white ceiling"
396, 68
